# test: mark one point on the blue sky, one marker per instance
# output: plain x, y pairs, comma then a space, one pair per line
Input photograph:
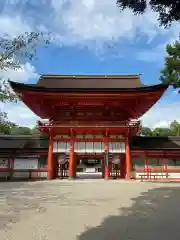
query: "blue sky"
90, 37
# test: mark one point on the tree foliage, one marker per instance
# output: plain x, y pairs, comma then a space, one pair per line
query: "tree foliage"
161, 132
170, 74
175, 127
168, 10
12, 51
173, 130
10, 128
146, 131
21, 46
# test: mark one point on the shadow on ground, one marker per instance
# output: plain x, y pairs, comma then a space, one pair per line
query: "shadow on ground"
153, 215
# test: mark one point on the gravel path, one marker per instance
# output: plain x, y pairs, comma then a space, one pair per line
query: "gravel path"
89, 210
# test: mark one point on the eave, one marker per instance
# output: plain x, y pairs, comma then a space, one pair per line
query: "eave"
20, 87
42, 100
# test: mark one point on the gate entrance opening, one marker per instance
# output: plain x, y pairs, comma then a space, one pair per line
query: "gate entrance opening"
90, 166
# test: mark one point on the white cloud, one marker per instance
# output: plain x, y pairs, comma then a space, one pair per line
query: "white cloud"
158, 52
161, 115
26, 72
13, 26
102, 20
20, 114
93, 23
89, 22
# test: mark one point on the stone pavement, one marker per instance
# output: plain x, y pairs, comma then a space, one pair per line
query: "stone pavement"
89, 210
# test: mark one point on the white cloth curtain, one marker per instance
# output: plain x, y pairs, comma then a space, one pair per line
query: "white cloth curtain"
116, 147
61, 147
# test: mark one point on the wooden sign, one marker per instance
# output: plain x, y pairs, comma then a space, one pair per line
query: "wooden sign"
116, 159
62, 159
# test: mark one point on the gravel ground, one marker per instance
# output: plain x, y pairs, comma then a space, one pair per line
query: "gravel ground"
89, 210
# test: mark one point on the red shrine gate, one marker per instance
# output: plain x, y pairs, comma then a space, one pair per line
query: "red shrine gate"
86, 115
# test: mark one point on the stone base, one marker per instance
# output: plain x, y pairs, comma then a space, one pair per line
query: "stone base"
107, 178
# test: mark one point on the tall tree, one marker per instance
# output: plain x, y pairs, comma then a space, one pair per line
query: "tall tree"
175, 128
170, 74
6, 126
168, 10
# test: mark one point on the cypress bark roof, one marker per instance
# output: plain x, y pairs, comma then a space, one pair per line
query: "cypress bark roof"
89, 81
155, 143
22, 142
10, 142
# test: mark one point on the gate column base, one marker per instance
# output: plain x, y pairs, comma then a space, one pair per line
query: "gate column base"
108, 178
49, 178
71, 178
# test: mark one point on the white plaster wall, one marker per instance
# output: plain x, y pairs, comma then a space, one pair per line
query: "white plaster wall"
25, 163
173, 175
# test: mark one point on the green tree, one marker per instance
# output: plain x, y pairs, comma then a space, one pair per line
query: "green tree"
35, 131
20, 131
146, 132
161, 132
6, 126
175, 128
22, 46
170, 74
167, 10
12, 51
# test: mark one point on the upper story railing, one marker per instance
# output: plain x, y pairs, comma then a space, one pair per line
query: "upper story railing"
79, 124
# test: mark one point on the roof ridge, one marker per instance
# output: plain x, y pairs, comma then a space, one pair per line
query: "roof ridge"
93, 76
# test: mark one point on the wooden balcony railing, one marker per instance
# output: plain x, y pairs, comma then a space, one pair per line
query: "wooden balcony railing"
131, 124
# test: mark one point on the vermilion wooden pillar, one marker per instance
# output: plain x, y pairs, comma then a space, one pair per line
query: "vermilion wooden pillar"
50, 159
71, 160
74, 165
146, 165
128, 160
122, 165
106, 158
